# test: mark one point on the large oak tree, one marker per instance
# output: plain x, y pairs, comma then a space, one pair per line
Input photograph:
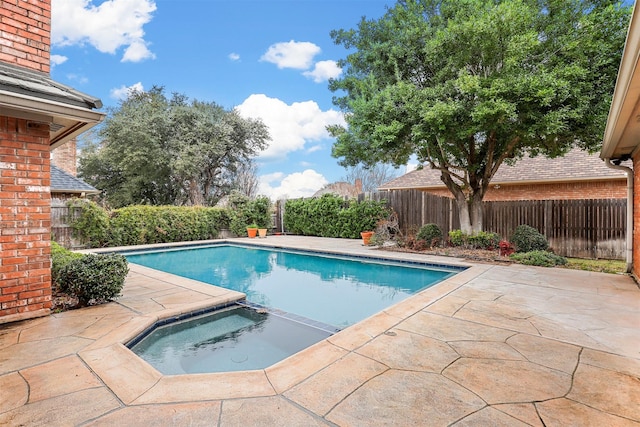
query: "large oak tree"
466, 85
170, 151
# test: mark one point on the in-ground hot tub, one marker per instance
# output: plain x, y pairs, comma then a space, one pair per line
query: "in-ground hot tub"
236, 338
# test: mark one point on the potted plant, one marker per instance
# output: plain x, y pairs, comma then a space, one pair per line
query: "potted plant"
366, 237
252, 230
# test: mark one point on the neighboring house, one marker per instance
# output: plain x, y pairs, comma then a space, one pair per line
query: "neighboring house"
341, 188
65, 186
578, 175
622, 134
36, 115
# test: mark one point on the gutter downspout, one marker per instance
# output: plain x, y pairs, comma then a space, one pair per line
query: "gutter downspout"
629, 239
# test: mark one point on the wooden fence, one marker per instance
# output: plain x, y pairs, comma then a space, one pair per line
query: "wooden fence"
588, 228
61, 231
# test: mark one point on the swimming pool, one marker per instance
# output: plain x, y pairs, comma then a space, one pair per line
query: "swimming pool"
335, 290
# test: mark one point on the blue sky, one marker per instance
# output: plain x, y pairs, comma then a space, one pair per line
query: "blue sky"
270, 59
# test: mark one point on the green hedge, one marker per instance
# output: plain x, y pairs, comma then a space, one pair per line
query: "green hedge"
332, 216
138, 225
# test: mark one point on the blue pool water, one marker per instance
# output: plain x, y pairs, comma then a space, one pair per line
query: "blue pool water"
234, 339
332, 290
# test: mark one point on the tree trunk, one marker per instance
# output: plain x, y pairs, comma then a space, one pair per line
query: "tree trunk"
471, 215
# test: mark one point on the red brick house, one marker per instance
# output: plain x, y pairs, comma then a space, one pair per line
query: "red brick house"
578, 175
36, 115
622, 134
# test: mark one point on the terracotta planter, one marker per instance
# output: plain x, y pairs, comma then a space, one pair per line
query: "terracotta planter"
262, 232
366, 237
252, 232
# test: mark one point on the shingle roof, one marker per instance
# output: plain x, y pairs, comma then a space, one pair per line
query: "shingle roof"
23, 81
341, 188
576, 165
62, 182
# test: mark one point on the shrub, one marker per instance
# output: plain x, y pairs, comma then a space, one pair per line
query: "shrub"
527, 239
94, 278
244, 211
89, 222
332, 216
480, 240
430, 233
458, 238
60, 257
539, 258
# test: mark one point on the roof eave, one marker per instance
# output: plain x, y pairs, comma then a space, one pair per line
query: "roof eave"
622, 132
66, 121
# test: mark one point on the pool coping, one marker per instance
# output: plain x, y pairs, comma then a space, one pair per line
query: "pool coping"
135, 382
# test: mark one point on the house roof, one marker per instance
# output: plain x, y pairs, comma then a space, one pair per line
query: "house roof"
341, 188
576, 165
33, 95
63, 182
622, 133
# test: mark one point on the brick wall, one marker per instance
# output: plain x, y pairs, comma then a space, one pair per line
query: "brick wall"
25, 33
636, 216
64, 157
25, 220
605, 189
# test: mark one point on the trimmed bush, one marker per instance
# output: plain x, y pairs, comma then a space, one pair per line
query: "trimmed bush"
60, 257
243, 211
94, 278
138, 225
539, 258
430, 233
480, 240
332, 216
526, 239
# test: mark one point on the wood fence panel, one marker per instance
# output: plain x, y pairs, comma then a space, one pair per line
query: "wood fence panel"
590, 228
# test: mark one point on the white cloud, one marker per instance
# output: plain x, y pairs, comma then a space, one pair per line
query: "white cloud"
137, 51
108, 27
299, 184
58, 59
314, 149
290, 126
234, 56
123, 91
77, 78
323, 71
292, 54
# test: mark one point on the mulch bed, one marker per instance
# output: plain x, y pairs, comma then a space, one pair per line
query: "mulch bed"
478, 255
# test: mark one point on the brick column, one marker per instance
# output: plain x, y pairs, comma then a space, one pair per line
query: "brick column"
25, 220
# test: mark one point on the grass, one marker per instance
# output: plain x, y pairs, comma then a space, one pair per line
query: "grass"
600, 265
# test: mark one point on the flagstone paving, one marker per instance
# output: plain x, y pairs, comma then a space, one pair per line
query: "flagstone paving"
498, 345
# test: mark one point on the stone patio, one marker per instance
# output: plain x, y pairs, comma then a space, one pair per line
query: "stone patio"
499, 345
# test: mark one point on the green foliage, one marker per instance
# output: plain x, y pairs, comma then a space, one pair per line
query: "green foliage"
94, 278
539, 258
155, 150
90, 222
468, 85
331, 216
244, 212
526, 239
138, 225
480, 240
60, 257
430, 233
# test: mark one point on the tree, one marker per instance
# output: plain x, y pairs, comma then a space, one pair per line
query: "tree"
161, 151
371, 177
468, 85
